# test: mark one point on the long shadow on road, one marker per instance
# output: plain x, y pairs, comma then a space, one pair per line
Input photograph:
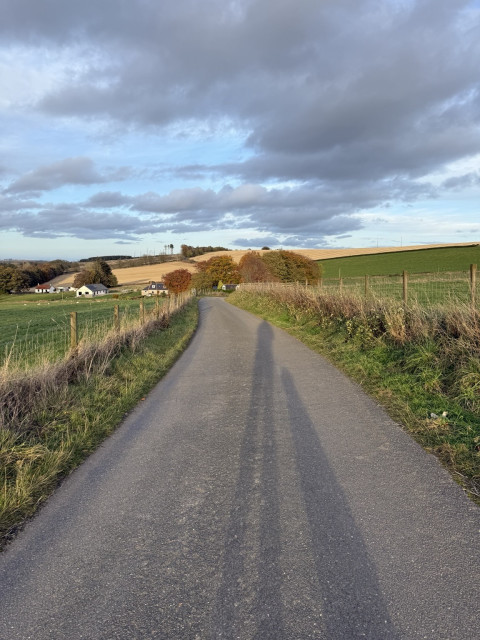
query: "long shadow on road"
353, 606
256, 492
249, 600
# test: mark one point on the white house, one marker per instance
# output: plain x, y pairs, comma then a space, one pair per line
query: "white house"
92, 290
155, 289
45, 288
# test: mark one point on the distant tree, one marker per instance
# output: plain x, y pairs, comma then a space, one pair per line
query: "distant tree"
201, 281
265, 248
220, 268
12, 279
83, 277
188, 251
178, 280
99, 272
253, 269
94, 258
289, 266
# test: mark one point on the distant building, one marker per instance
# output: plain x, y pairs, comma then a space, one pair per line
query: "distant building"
45, 288
92, 290
155, 289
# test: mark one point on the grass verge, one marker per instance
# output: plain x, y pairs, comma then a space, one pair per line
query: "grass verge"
53, 419
422, 366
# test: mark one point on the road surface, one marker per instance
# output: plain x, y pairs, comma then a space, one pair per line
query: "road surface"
255, 494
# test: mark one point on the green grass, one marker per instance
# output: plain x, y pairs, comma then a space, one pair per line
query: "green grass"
412, 378
427, 289
69, 421
35, 320
417, 261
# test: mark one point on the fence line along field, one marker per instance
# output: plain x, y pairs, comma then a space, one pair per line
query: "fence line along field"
426, 289
33, 331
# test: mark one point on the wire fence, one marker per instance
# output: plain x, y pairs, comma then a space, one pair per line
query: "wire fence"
427, 289
28, 345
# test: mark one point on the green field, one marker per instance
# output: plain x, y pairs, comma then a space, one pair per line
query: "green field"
421, 261
41, 321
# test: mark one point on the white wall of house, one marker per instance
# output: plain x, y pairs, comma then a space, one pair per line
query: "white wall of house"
85, 291
49, 290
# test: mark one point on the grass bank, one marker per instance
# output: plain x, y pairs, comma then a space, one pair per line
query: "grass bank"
52, 418
422, 365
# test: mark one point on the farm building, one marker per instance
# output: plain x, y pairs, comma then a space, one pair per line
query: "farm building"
91, 290
154, 289
44, 288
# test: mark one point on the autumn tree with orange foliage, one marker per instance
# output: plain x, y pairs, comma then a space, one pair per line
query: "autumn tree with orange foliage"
253, 269
178, 280
289, 266
218, 268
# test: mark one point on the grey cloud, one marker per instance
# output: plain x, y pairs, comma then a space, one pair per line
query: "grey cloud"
355, 111
394, 92
108, 200
79, 171
462, 182
70, 220
257, 243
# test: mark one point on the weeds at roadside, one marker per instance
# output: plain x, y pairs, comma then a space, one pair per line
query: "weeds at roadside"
52, 418
422, 364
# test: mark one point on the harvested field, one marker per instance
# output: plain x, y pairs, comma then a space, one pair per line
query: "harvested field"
143, 275
134, 275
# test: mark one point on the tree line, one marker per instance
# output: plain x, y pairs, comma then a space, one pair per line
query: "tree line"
272, 266
95, 258
188, 251
16, 278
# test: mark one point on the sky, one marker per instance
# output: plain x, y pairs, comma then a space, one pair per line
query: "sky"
130, 125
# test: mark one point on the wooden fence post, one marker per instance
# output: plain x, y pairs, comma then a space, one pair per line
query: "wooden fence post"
473, 282
405, 287
116, 318
157, 307
73, 330
366, 285
142, 312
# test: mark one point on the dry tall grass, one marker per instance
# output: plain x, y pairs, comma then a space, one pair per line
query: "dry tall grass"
422, 362
24, 393
46, 422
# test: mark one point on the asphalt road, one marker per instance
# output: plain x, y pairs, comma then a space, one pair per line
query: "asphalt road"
255, 494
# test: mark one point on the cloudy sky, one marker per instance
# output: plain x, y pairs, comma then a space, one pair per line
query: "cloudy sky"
126, 125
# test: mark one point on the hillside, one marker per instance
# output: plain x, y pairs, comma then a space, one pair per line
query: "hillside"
431, 260
328, 254
136, 276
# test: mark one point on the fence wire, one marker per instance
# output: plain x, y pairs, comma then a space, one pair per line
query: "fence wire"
25, 345
428, 289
